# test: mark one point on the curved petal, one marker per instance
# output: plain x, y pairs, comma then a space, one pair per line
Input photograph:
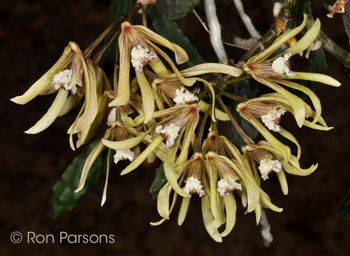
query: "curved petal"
142, 157
207, 68
91, 98
71, 102
62, 63
213, 195
275, 143
290, 137
124, 72
315, 100
183, 210
51, 114
283, 181
295, 102
305, 41
298, 171
147, 96
88, 163
185, 81
208, 219
126, 144
180, 54
321, 78
264, 55
230, 206
163, 201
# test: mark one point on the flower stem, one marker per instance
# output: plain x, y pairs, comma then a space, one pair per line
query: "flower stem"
201, 131
244, 136
232, 96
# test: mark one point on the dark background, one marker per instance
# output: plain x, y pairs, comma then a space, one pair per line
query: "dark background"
32, 37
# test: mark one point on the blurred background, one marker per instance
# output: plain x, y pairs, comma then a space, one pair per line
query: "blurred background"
32, 37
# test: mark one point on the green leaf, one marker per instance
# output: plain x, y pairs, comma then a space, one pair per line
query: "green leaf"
175, 9
158, 182
345, 208
63, 198
116, 10
249, 89
171, 31
301, 8
326, 3
346, 21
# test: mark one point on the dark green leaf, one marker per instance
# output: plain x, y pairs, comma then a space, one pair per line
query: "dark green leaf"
158, 182
116, 10
175, 9
63, 198
301, 8
345, 208
249, 89
346, 20
171, 31
326, 3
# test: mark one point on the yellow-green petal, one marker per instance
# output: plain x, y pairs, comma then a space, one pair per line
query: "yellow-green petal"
207, 68
315, 100
295, 102
88, 163
180, 54
261, 57
283, 181
306, 40
208, 220
185, 81
91, 98
230, 206
62, 63
147, 96
123, 94
290, 137
51, 114
71, 102
321, 78
183, 210
142, 157
104, 194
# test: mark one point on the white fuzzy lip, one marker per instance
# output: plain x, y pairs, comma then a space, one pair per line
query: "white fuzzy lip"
184, 97
193, 185
272, 119
225, 187
141, 57
267, 166
62, 81
123, 155
169, 133
281, 65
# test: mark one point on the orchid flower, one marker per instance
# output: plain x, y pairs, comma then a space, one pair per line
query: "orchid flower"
264, 151
276, 70
265, 113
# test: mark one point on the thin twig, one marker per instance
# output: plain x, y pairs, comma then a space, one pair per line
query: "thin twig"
246, 20
265, 229
215, 31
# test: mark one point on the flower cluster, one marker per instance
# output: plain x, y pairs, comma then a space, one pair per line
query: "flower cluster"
165, 109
